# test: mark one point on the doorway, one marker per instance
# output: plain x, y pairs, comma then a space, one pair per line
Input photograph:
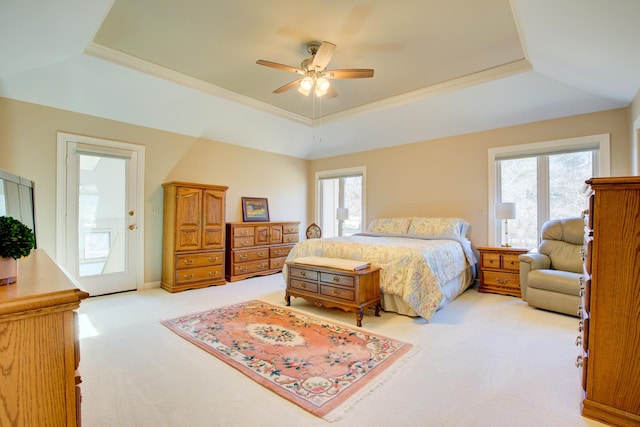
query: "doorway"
100, 218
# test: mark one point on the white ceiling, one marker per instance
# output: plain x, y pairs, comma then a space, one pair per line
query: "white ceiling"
442, 67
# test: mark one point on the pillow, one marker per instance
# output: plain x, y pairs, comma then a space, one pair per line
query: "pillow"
389, 225
438, 227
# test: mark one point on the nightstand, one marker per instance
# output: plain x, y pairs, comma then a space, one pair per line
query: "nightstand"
500, 270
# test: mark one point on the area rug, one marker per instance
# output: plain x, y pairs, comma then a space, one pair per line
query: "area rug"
323, 367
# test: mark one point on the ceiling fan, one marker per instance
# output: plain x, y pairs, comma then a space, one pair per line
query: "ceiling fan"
315, 73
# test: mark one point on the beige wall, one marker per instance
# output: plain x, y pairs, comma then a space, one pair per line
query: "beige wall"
28, 141
448, 177
442, 177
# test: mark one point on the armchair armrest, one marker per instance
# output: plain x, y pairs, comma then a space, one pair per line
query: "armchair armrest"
528, 262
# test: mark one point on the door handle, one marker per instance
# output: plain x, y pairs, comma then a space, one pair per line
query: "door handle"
133, 227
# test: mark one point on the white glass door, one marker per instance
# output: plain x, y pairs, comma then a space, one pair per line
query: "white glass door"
102, 217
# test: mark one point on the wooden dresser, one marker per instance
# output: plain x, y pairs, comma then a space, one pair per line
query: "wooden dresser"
610, 312
500, 270
39, 350
258, 248
193, 236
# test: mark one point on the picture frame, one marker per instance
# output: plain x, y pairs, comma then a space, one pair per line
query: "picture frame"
255, 209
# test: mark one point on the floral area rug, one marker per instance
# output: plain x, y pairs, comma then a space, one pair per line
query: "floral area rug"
316, 364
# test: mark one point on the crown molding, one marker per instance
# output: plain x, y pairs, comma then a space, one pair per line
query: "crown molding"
132, 62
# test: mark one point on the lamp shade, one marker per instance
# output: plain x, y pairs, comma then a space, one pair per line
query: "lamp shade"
342, 214
505, 210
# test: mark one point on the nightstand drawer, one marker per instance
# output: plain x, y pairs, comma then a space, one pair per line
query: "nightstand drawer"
511, 262
501, 279
490, 260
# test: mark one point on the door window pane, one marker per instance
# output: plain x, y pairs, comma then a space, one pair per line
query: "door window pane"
101, 215
340, 192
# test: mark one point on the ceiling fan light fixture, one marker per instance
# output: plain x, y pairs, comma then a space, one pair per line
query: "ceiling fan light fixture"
303, 91
320, 92
322, 84
306, 83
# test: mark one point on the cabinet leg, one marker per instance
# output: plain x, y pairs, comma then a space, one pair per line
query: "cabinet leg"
359, 316
378, 310
287, 298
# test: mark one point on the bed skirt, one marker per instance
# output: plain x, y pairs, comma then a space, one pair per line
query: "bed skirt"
450, 291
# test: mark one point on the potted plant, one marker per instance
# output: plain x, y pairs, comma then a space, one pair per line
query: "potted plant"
16, 241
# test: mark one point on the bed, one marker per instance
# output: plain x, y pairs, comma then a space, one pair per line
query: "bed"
426, 262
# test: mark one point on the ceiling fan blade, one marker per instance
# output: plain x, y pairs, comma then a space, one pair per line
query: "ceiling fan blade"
288, 86
354, 73
331, 92
323, 56
279, 66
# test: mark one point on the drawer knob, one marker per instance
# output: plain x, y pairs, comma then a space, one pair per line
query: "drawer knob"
580, 326
260, 253
189, 261
579, 341
336, 278
580, 311
189, 276
336, 292
243, 256
579, 362
303, 273
213, 259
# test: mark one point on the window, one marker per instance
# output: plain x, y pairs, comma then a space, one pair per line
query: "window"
545, 181
340, 189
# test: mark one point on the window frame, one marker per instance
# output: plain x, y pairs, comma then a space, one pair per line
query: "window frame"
340, 173
601, 142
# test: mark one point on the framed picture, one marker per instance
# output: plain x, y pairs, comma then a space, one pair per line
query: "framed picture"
255, 209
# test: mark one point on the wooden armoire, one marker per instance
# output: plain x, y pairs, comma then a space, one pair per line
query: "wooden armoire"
193, 241
610, 312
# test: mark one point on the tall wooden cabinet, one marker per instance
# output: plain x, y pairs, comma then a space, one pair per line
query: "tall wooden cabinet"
193, 240
39, 350
258, 248
610, 312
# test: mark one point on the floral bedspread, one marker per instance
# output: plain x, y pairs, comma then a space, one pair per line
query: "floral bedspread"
412, 268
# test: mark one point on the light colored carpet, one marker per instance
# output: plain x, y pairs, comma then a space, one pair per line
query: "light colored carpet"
485, 360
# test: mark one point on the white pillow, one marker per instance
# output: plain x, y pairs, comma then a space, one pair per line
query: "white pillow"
389, 225
438, 227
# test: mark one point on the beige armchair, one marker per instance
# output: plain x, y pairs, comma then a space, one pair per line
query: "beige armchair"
550, 278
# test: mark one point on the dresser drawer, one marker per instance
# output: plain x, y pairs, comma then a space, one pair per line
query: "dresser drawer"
250, 255
336, 279
497, 278
250, 267
290, 238
277, 263
198, 274
304, 285
199, 260
243, 242
335, 292
304, 274
290, 228
279, 251
243, 231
